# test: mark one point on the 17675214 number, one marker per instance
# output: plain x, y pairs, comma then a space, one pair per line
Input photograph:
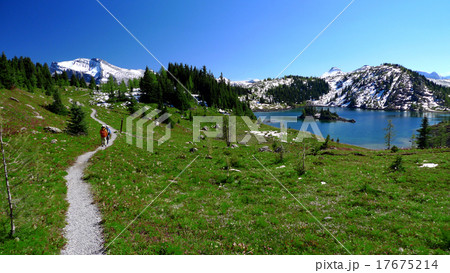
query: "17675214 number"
406, 264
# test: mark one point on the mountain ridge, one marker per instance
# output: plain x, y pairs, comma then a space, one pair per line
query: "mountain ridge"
95, 67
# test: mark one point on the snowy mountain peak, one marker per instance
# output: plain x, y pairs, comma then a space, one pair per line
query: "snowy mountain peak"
387, 86
95, 67
363, 68
334, 71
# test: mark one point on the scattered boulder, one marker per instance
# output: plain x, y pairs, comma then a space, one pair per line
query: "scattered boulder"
31, 106
216, 126
189, 142
202, 137
34, 132
54, 141
53, 130
234, 146
328, 218
193, 150
14, 99
208, 157
278, 149
23, 129
205, 128
265, 149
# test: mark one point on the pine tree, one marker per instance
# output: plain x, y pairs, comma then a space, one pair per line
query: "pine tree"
424, 134
64, 79
74, 80
6, 80
132, 105
57, 106
77, 123
47, 82
122, 91
83, 83
92, 83
389, 134
130, 85
149, 87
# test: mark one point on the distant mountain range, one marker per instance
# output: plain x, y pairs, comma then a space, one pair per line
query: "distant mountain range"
387, 86
433, 75
97, 68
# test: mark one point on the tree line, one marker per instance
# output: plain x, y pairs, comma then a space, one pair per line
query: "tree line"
301, 90
180, 82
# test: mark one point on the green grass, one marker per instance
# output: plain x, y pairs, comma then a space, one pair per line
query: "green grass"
228, 204
40, 204
213, 210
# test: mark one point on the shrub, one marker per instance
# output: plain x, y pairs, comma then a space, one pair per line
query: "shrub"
394, 149
397, 165
325, 145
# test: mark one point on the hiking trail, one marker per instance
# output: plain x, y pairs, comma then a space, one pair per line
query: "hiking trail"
83, 231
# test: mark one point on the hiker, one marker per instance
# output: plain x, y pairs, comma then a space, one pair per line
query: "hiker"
103, 135
109, 134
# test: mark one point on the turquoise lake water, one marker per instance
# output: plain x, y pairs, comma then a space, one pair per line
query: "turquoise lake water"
368, 131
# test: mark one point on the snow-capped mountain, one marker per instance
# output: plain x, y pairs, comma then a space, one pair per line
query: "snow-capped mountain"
97, 68
381, 87
334, 71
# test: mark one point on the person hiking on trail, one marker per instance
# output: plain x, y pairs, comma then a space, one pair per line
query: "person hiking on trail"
103, 135
109, 135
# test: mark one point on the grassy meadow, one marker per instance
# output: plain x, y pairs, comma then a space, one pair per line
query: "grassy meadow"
225, 202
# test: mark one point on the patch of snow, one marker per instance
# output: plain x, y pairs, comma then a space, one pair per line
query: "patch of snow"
429, 165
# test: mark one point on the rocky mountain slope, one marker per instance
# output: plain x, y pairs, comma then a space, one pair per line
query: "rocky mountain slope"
97, 68
283, 93
386, 86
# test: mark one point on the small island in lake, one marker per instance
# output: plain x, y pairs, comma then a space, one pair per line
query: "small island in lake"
323, 114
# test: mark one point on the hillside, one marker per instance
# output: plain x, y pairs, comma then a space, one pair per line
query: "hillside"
277, 94
386, 86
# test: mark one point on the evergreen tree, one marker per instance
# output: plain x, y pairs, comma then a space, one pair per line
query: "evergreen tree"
77, 123
47, 82
83, 83
389, 134
149, 87
122, 91
424, 134
132, 105
130, 85
74, 80
6, 80
110, 86
57, 106
64, 79
92, 83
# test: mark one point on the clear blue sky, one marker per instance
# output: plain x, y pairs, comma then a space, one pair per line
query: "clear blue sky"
243, 39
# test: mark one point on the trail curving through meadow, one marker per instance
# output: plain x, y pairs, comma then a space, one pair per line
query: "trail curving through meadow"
83, 231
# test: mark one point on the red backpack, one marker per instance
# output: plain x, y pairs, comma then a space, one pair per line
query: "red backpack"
103, 132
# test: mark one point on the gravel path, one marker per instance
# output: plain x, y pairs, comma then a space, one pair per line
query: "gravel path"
83, 230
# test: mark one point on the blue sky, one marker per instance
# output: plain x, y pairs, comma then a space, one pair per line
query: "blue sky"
242, 39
